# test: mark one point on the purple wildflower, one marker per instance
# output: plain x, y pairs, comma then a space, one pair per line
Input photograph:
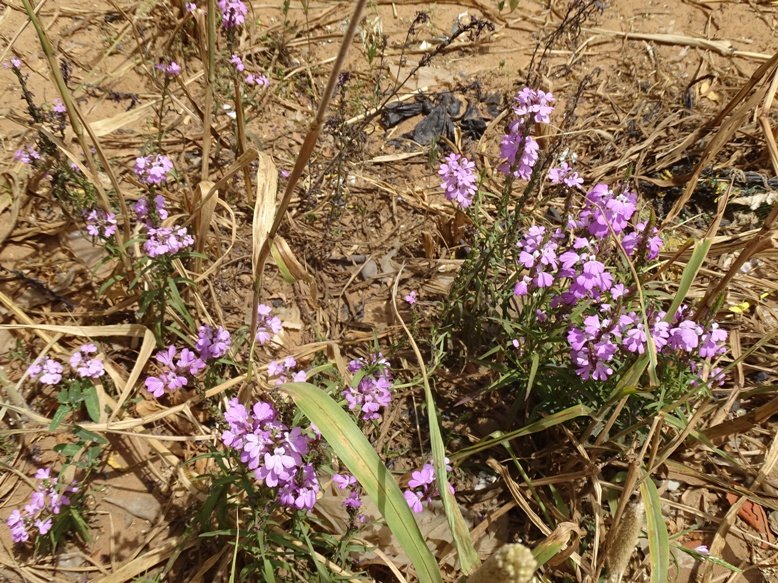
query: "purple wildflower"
282, 371
233, 13
534, 103
27, 155
267, 324
48, 373
45, 502
171, 69
167, 241
373, 391
257, 79
58, 107
520, 153
565, 174
275, 454
212, 344
153, 170
85, 365
459, 179
422, 488
100, 224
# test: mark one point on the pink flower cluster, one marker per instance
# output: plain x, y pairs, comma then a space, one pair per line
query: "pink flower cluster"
372, 392
257, 79
564, 174
534, 104
601, 341
275, 454
160, 241
581, 270
100, 223
268, 325
27, 155
153, 170
177, 368
166, 240
282, 371
518, 148
459, 179
233, 13
38, 514
422, 488
82, 363
575, 259
349, 483
170, 69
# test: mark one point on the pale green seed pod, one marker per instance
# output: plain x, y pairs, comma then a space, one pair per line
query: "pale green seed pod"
512, 563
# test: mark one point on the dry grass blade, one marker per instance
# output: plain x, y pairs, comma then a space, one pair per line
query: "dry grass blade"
135, 567
765, 70
264, 209
203, 215
288, 263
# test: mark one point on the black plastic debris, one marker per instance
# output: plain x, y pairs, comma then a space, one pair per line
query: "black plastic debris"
398, 112
441, 115
438, 123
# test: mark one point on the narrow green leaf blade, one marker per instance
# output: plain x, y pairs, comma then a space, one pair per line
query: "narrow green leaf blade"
355, 451
468, 557
658, 539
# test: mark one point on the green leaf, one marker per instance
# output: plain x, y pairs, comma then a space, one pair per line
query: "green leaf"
355, 451
177, 302
67, 450
468, 557
658, 540
92, 403
86, 436
59, 416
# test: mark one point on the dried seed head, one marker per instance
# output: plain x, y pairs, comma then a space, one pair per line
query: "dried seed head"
512, 563
624, 540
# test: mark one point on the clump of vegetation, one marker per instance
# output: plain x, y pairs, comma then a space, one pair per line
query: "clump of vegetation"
287, 460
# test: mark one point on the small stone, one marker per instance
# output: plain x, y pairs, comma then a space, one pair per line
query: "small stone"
139, 504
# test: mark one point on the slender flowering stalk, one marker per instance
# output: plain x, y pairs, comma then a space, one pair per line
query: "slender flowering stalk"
518, 149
